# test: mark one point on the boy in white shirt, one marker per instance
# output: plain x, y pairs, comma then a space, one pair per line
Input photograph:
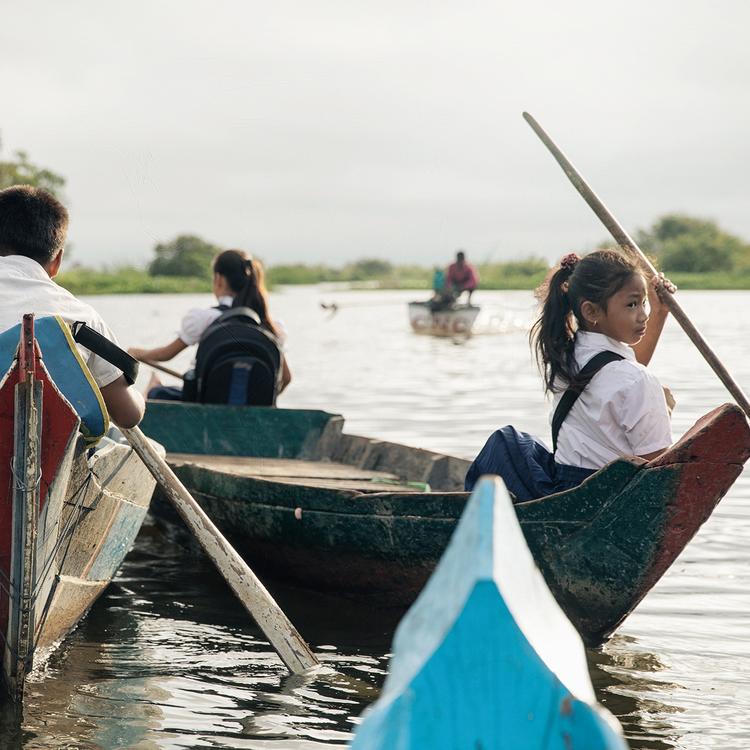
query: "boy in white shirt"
33, 229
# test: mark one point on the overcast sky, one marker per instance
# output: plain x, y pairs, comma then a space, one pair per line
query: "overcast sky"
328, 131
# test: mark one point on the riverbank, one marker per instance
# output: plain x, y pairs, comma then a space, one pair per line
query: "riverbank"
502, 276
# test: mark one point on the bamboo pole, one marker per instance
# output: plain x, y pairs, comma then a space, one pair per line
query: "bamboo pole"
157, 366
282, 635
625, 241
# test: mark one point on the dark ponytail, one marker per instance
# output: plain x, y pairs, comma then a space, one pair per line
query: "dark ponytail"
594, 278
246, 279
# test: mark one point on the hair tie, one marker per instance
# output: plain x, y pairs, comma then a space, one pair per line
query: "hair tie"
570, 261
247, 265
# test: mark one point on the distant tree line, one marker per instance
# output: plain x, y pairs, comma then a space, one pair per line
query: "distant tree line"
680, 244
19, 170
685, 244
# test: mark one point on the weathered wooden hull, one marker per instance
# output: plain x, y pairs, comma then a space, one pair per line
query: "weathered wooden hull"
64, 533
485, 658
600, 546
450, 321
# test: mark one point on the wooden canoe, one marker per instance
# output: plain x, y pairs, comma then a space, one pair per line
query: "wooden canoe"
306, 503
68, 514
451, 320
485, 657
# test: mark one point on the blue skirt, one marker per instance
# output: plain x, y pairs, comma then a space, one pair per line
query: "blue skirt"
525, 465
165, 393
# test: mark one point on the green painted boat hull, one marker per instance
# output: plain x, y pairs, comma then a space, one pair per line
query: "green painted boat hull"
600, 546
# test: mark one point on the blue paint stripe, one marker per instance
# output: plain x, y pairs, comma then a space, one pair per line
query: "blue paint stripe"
66, 368
120, 538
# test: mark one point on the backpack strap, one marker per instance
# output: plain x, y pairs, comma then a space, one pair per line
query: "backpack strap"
237, 312
571, 394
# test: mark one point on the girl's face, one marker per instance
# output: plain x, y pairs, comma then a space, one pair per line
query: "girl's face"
221, 286
626, 315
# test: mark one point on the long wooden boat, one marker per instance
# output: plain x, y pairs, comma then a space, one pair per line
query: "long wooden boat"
304, 502
485, 657
449, 320
68, 513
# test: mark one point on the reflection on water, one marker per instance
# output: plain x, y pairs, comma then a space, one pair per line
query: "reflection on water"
625, 680
168, 659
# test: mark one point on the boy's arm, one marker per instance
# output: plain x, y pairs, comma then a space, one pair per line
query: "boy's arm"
124, 403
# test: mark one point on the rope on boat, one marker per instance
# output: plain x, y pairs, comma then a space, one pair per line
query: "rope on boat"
65, 535
18, 483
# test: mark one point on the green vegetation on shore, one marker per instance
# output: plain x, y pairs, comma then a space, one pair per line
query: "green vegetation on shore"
513, 275
381, 274
127, 280
695, 253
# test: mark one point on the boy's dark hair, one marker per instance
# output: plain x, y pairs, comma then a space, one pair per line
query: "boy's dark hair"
244, 274
32, 223
595, 277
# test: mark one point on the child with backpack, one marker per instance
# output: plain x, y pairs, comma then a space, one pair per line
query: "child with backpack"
238, 282
593, 339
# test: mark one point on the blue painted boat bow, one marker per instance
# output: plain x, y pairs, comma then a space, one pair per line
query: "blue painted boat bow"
485, 658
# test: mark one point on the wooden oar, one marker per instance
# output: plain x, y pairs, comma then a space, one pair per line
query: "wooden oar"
157, 366
628, 243
283, 636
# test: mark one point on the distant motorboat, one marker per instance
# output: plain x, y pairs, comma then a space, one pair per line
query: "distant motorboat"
438, 319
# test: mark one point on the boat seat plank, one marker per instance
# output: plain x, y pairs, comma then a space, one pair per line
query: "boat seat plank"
279, 468
358, 485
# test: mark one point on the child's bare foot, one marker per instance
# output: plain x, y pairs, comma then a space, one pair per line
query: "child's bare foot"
153, 382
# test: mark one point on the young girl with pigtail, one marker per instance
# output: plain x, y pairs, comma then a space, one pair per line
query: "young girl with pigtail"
238, 281
597, 331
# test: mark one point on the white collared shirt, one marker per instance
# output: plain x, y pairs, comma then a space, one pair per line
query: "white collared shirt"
621, 412
197, 319
26, 287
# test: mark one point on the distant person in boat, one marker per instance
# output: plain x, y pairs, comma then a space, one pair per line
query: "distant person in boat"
441, 295
238, 281
461, 277
599, 326
33, 230
438, 280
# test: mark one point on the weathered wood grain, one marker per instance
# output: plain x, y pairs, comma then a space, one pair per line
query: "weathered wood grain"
600, 546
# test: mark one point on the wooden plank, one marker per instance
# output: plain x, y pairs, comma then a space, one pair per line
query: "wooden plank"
360, 486
486, 658
283, 468
283, 636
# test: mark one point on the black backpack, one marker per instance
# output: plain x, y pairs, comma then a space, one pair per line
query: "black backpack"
238, 362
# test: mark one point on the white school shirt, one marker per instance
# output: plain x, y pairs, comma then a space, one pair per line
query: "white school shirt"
26, 287
621, 412
197, 319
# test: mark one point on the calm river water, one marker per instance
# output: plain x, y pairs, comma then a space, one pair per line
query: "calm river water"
167, 659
